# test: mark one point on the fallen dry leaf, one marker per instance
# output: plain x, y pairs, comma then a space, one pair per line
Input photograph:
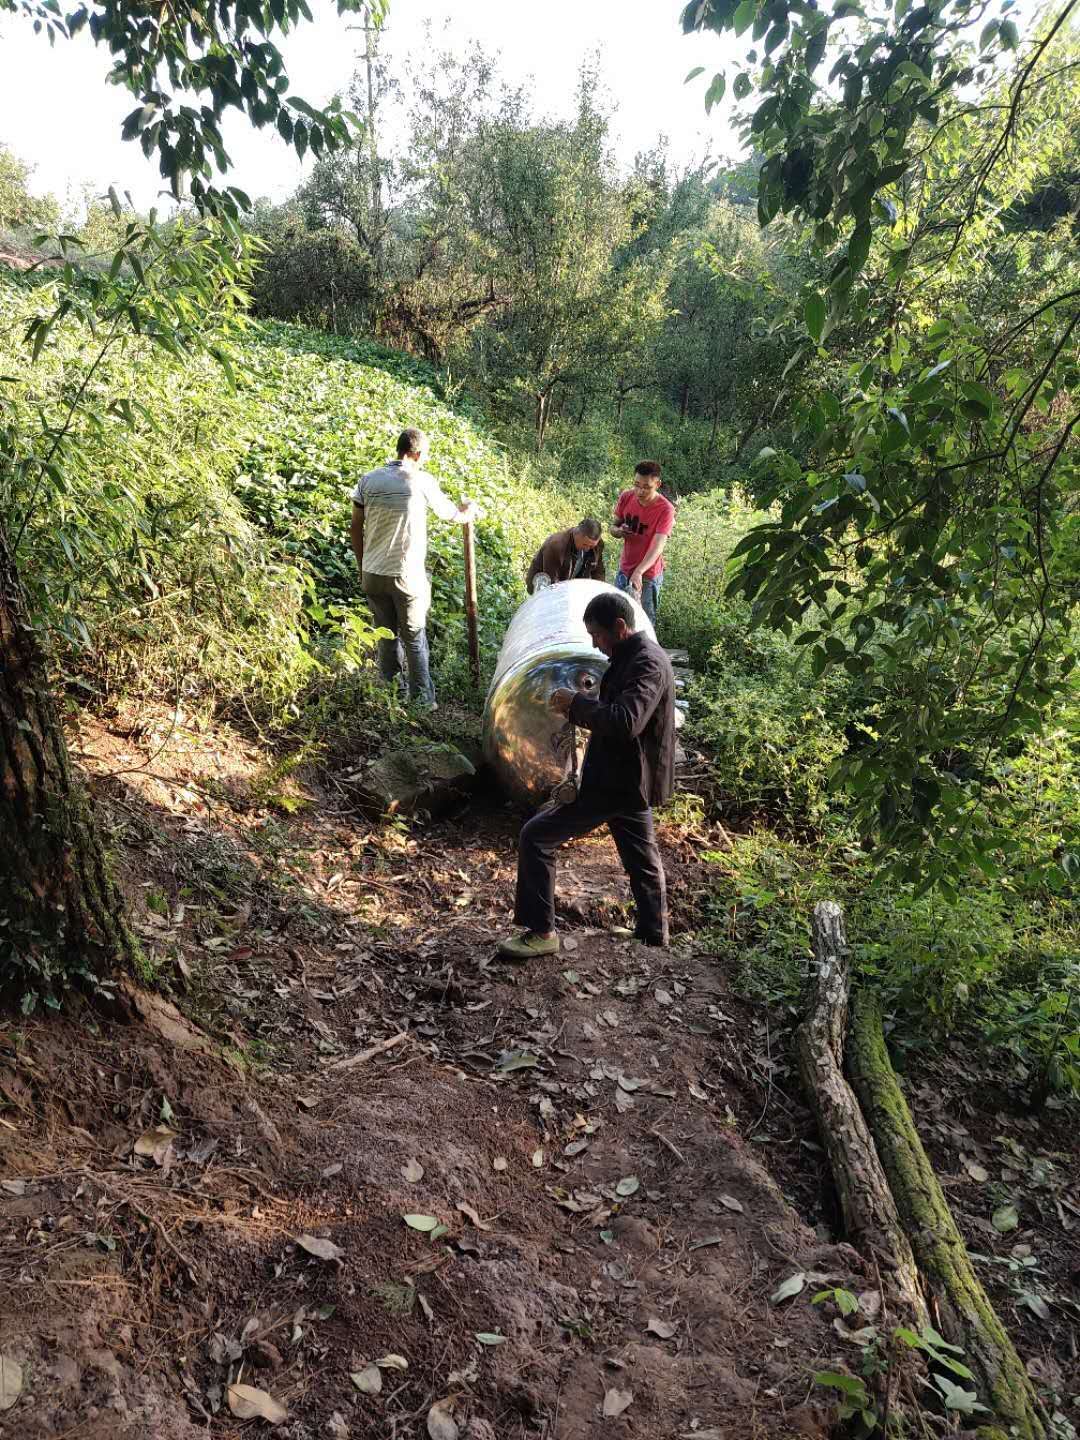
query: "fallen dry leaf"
392, 1362
730, 1203
155, 1144
616, 1401
368, 1381
11, 1381
248, 1403
538, 1158
324, 1249
791, 1286
660, 1327
499, 1163
441, 1425
470, 1214
412, 1171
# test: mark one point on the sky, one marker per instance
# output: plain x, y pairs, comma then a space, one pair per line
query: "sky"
58, 113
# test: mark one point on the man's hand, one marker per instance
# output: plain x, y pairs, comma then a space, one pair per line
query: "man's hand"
561, 700
468, 510
635, 582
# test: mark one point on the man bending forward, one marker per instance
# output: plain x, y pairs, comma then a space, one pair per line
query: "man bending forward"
629, 767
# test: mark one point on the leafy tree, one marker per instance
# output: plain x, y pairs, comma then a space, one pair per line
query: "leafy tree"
557, 219
726, 344
18, 207
63, 912
925, 534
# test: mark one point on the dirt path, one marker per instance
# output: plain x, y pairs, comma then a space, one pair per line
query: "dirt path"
590, 1134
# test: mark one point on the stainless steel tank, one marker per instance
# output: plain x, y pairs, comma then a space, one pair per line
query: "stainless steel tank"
546, 647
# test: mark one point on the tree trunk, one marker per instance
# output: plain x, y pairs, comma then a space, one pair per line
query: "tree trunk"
543, 400
712, 432
744, 440
684, 402
967, 1318
61, 910
871, 1222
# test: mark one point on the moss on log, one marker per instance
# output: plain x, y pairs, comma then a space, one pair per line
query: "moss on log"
871, 1221
966, 1316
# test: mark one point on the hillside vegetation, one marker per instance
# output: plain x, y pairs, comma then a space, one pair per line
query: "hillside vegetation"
204, 556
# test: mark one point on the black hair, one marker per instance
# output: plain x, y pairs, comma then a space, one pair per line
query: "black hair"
603, 610
590, 528
410, 441
647, 467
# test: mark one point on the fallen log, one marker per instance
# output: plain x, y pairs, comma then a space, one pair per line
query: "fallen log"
964, 1314
871, 1221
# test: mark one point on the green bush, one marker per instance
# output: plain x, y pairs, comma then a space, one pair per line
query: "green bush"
139, 561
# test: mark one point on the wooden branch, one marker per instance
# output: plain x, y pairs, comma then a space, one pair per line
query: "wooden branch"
871, 1221
369, 1053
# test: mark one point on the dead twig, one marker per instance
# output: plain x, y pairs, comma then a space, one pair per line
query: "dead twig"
370, 1052
668, 1145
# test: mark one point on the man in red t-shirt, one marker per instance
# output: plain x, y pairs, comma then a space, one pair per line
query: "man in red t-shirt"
643, 521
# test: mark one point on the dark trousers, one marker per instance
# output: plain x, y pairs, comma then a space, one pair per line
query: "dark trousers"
635, 840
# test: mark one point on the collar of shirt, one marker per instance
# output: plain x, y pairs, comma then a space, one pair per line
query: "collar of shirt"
624, 648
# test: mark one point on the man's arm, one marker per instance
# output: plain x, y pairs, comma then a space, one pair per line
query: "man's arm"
444, 507
598, 567
618, 529
534, 569
631, 709
655, 550
356, 535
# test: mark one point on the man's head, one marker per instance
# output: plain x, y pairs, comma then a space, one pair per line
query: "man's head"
412, 445
609, 618
647, 481
587, 533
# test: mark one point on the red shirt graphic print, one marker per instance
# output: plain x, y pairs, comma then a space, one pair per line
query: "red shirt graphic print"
643, 523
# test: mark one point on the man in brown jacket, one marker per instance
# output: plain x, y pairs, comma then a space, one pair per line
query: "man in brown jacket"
576, 554
629, 767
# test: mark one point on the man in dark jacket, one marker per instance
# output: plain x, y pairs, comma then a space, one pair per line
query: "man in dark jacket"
575, 554
629, 767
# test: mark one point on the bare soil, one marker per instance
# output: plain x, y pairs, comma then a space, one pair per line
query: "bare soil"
620, 1181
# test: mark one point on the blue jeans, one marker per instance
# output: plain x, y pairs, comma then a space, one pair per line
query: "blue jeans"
404, 613
650, 591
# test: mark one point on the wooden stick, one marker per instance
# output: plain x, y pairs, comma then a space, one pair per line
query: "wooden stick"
470, 602
369, 1053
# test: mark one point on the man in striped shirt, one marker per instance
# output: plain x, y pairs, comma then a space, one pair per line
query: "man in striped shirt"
389, 540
